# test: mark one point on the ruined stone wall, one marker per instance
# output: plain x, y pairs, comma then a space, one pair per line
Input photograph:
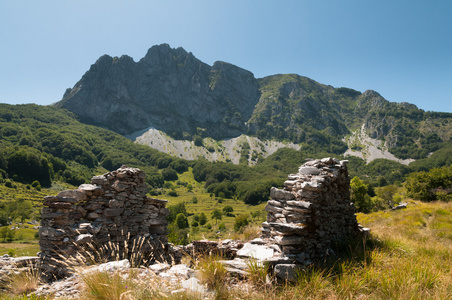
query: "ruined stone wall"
313, 211
111, 212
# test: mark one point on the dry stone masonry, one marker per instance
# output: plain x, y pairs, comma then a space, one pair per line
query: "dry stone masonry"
113, 210
312, 212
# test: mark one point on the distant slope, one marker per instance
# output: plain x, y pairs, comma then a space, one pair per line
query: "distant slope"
172, 91
243, 148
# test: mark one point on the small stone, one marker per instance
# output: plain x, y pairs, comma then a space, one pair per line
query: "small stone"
286, 271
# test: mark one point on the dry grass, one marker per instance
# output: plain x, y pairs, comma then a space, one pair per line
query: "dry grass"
25, 281
408, 256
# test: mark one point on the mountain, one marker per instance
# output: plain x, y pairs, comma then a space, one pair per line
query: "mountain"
168, 89
171, 91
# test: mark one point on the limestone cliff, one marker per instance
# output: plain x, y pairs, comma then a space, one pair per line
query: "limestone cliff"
168, 89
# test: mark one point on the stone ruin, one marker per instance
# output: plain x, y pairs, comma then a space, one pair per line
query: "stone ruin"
312, 212
305, 220
112, 211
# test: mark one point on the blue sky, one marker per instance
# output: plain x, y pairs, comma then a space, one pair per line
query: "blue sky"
401, 49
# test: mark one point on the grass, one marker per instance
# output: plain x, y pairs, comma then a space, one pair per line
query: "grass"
19, 249
408, 256
206, 203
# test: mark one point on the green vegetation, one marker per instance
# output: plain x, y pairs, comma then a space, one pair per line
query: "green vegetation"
429, 186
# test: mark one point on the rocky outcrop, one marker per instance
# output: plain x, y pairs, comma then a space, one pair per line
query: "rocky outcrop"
168, 89
111, 217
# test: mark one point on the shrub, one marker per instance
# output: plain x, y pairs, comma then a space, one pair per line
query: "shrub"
169, 174
173, 193
181, 221
228, 210
202, 219
36, 185
9, 184
216, 214
240, 222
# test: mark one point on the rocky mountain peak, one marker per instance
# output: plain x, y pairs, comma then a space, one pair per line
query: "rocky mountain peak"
169, 89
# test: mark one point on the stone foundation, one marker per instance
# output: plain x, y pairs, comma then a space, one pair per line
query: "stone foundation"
109, 217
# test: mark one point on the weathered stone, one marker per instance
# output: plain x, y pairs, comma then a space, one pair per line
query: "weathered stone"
273, 209
308, 171
255, 251
92, 216
278, 194
112, 212
89, 188
84, 239
99, 180
75, 194
289, 240
286, 271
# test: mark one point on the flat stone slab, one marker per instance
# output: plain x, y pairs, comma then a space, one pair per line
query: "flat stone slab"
260, 252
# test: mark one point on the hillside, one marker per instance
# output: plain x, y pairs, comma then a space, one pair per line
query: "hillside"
175, 93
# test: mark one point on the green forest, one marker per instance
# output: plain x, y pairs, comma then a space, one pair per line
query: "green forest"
45, 148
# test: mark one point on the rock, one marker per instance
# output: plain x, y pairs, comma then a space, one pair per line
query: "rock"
75, 194
236, 263
289, 240
121, 265
192, 284
400, 206
84, 239
255, 251
282, 194
159, 268
89, 188
286, 271
181, 271
308, 171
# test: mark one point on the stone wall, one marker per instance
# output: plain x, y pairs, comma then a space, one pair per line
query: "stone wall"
313, 211
111, 215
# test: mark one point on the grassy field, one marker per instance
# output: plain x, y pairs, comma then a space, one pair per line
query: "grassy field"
206, 203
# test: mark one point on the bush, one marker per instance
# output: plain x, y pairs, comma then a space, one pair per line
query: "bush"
202, 219
181, 221
228, 210
169, 174
9, 184
36, 185
173, 194
221, 227
241, 221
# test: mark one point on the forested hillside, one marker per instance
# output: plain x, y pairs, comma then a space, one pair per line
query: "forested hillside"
45, 144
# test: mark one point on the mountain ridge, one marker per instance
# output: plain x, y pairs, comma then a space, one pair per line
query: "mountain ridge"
172, 91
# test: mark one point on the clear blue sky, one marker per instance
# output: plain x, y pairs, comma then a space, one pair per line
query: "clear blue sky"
401, 49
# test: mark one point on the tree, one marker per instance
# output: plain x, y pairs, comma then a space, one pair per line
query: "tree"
181, 221
202, 219
359, 196
174, 210
228, 210
217, 215
240, 222
387, 193
169, 174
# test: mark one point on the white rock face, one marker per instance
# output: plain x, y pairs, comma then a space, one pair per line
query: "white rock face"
371, 148
221, 150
